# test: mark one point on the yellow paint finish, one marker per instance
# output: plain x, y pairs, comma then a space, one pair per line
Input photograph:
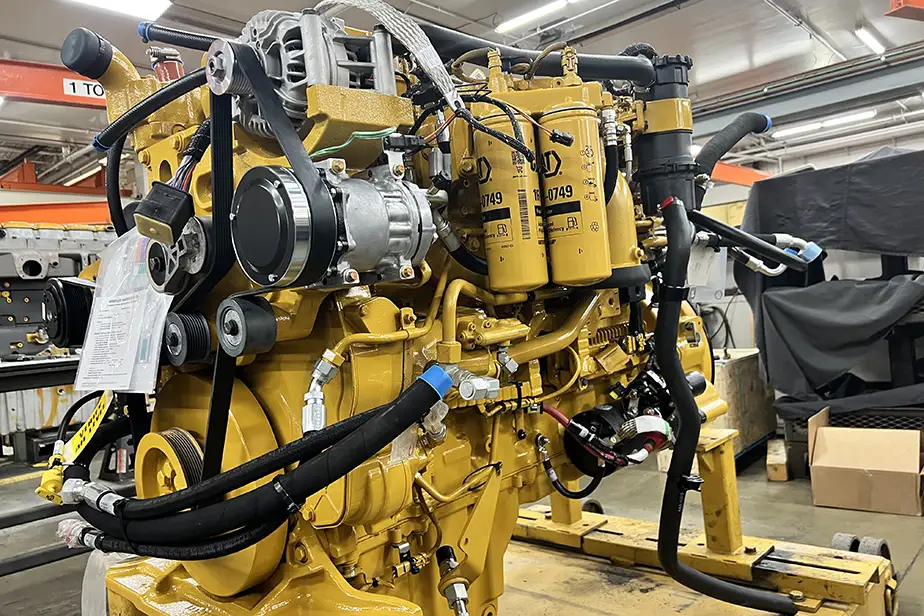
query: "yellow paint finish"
666, 115
184, 403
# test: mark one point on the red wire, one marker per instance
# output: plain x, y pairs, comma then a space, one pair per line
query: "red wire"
564, 421
668, 202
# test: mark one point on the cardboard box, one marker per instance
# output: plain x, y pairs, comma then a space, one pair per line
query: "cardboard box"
866, 469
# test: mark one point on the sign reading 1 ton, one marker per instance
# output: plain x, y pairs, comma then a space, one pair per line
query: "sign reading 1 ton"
89, 89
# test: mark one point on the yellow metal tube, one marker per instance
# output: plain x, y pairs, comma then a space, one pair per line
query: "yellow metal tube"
439, 497
560, 338
405, 334
463, 287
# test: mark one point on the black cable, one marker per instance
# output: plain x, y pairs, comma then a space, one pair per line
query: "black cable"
72, 410
519, 146
504, 107
679, 478
113, 186
152, 32
137, 114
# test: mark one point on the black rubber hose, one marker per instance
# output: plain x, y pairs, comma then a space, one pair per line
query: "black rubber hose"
301, 449
611, 177
724, 140
450, 44
640, 49
72, 410
221, 546
666, 330
151, 32
107, 433
137, 114
270, 503
113, 186
746, 240
469, 260
582, 493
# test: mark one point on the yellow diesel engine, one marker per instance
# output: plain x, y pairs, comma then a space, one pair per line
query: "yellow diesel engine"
404, 301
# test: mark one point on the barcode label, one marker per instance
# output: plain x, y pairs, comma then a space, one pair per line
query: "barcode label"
524, 213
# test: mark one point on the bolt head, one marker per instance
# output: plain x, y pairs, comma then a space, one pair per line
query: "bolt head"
351, 276
409, 319
406, 272
398, 170
338, 165
796, 595
301, 554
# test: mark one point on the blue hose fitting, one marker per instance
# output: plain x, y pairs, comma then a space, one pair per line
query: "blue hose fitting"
438, 379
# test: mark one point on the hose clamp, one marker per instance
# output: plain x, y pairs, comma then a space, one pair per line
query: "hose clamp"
673, 294
291, 505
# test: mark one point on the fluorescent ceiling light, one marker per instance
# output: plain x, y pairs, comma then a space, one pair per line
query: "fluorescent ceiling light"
850, 119
796, 130
142, 9
695, 150
525, 18
85, 176
869, 39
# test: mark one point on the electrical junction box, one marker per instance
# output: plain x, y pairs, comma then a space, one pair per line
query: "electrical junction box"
865, 469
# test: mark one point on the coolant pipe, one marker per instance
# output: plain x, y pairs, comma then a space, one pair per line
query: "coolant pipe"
450, 44
562, 337
679, 475
754, 264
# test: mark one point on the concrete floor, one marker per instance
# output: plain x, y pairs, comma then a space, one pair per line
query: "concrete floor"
774, 510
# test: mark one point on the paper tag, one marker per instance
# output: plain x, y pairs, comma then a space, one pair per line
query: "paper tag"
702, 261
123, 341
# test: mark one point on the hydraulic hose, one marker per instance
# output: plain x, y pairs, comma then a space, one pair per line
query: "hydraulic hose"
723, 141
456, 248
221, 546
301, 449
105, 434
151, 32
137, 114
72, 410
746, 240
582, 493
678, 475
640, 49
611, 177
113, 187
450, 44
272, 502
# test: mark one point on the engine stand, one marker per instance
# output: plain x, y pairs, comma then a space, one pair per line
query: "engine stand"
820, 580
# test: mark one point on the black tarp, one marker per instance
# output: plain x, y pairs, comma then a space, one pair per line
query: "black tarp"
811, 331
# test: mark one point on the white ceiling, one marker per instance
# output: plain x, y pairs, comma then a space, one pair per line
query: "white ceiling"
734, 43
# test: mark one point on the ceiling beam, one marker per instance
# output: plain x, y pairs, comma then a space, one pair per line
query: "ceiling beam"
813, 32
17, 160
848, 85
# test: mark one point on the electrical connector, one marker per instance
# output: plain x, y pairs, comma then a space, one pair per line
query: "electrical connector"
566, 139
163, 213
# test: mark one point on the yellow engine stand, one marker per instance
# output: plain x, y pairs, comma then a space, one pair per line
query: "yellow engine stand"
822, 581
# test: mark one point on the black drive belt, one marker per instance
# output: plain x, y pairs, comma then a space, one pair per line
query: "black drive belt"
323, 216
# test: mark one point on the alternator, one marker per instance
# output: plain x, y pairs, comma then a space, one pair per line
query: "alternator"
384, 227
298, 50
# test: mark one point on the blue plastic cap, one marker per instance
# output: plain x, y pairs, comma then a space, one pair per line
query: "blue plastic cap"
438, 379
143, 28
811, 252
99, 147
769, 122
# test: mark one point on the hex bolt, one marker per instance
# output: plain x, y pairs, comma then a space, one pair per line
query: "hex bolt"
409, 319
230, 327
407, 272
338, 165
216, 66
398, 170
351, 276
301, 554
750, 549
796, 595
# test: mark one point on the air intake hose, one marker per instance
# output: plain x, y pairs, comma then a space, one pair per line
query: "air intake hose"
723, 141
671, 294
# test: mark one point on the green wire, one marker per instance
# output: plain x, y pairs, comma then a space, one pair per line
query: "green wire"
359, 134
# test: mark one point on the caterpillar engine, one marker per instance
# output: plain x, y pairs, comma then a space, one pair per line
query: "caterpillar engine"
405, 301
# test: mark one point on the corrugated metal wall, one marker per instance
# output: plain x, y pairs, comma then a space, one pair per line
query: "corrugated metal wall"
38, 409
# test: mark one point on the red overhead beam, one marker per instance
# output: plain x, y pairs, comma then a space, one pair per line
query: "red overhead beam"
48, 83
736, 174
909, 9
81, 212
